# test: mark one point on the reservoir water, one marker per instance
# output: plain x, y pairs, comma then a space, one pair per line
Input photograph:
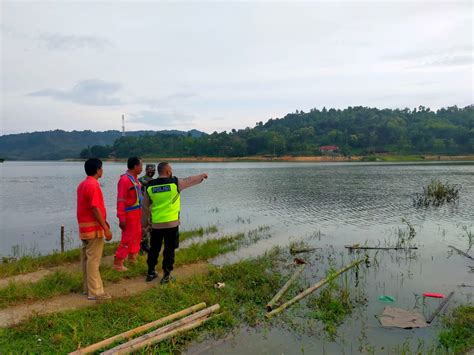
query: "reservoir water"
327, 204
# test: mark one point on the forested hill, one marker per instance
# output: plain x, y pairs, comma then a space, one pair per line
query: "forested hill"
58, 144
355, 131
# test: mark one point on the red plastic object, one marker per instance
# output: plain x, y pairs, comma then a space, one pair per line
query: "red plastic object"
434, 295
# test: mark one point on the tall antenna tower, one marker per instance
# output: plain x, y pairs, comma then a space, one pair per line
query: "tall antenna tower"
123, 126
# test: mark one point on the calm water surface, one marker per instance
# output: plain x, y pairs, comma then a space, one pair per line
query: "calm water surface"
339, 203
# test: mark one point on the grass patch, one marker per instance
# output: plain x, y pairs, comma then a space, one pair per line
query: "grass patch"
458, 336
30, 264
249, 285
331, 306
66, 282
392, 158
437, 194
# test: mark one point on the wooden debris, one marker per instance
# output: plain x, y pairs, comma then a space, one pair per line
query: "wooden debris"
130, 333
285, 287
359, 247
313, 288
160, 337
461, 252
164, 332
299, 261
301, 250
440, 308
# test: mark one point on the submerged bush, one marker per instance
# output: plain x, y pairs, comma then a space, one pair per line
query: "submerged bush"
436, 194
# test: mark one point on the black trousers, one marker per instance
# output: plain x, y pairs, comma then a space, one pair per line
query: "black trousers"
170, 237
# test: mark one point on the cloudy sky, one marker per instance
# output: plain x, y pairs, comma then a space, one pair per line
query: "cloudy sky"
222, 65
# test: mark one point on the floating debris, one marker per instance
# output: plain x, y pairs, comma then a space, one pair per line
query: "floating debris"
388, 299
401, 318
433, 295
440, 308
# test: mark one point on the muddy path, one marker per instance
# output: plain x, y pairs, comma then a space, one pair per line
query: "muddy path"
129, 287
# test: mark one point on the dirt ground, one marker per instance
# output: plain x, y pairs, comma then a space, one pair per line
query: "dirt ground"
16, 314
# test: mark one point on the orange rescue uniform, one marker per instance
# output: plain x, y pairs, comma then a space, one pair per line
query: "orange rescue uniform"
129, 211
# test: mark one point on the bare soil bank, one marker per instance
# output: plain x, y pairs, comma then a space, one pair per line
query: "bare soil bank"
322, 159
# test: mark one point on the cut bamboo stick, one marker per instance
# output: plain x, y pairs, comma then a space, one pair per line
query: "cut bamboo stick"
302, 250
313, 288
160, 337
166, 329
285, 287
378, 248
440, 308
130, 333
461, 252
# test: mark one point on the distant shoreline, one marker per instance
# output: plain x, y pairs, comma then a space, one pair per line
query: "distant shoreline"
289, 158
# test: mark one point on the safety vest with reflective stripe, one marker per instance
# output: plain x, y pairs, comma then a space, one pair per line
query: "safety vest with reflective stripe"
138, 190
165, 199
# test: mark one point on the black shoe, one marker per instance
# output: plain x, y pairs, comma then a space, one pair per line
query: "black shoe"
167, 278
151, 277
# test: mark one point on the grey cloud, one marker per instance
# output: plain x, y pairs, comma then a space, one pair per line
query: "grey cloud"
429, 53
466, 59
170, 99
87, 92
57, 41
462, 55
161, 118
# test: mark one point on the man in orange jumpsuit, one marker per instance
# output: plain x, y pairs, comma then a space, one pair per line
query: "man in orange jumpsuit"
129, 213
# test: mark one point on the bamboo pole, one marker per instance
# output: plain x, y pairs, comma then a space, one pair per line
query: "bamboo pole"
378, 248
440, 308
302, 250
62, 239
461, 252
166, 329
285, 287
313, 288
130, 333
160, 337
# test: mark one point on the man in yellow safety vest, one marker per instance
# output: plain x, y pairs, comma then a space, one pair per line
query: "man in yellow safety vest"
161, 209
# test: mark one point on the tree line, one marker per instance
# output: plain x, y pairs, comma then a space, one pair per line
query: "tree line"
354, 130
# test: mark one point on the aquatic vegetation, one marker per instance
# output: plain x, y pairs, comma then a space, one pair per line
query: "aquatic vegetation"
405, 234
437, 194
458, 336
330, 307
469, 236
214, 210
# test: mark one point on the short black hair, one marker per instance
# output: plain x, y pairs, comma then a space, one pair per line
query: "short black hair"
133, 162
92, 165
162, 166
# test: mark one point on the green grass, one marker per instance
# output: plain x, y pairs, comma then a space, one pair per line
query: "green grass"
63, 282
392, 158
458, 336
249, 285
30, 264
332, 305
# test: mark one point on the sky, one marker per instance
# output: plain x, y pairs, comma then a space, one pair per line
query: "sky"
214, 66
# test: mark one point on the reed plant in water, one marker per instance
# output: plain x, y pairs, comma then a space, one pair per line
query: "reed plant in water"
437, 194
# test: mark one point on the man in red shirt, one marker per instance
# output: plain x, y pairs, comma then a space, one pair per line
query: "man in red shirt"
129, 213
93, 227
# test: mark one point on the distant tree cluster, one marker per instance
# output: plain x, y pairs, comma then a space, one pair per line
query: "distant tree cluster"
355, 130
